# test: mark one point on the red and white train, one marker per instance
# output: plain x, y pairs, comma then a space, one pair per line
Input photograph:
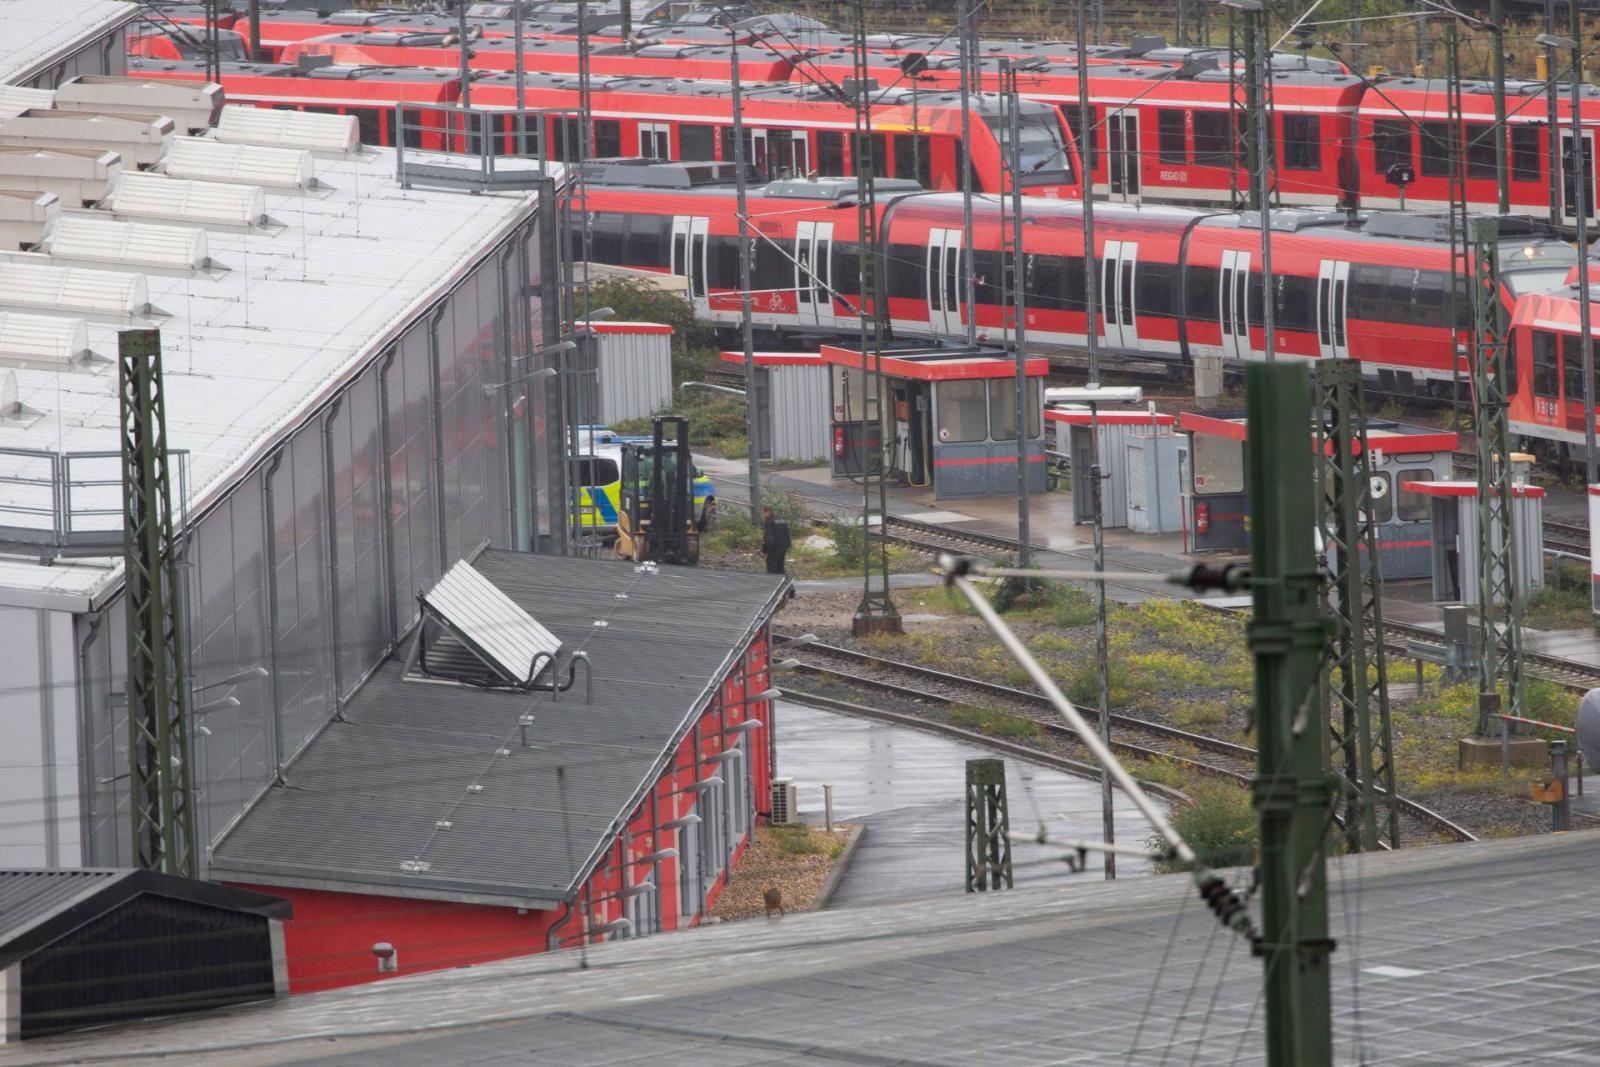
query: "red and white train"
1545, 361
1174, 282
790, 129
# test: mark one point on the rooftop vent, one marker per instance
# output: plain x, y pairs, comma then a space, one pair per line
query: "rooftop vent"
280, 168
335, 134
192, 106
42, 340
23, 216
13, 412
93, 239
79, 290
77, 176
137, 139
15, 100
154, 196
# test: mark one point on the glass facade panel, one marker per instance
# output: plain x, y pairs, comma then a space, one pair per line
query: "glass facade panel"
347, 506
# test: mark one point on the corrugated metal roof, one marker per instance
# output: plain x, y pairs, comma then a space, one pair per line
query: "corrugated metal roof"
39, 32
38, 906
364, 802
31, 895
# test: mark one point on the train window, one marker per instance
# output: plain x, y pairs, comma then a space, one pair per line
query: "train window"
563, 138
649, 239
1429, 300
1366, 292
1412, 505
411, 127
1527, 161
507, 141
1435, 136
722, 262
1043, 283
830, 153
1513, 354
773, 265
846, 268
608, 233
696, 142
1380, 502
1391, 144
1572, 368
1211, 139
1200, 293
907, 272
963, 415
1172, 141
1481, 161
880, 154
1087, 148
369, 124
1546, 365
607, 139
1297, 303
1302, 142
913, 158
1153, 291
1218, 465
987, 278
1397, 295
1241, 138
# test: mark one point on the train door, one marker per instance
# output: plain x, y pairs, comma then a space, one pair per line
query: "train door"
1569, 170
788, 149
1117, 265
944, 282
1333, 287
1122, 153
813, 269
689, 253
654, 138
1233, 305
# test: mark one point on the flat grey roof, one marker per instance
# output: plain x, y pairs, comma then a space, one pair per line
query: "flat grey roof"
363, 803
1481, 953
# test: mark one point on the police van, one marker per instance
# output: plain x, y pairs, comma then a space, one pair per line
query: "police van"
599, 478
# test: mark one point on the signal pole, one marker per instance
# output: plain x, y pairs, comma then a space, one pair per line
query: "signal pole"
1291, 791
876, 612
747, 330
1497, 38
1011, 100
160, 786
971, 72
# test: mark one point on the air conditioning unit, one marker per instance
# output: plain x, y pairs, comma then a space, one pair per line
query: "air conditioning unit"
783, 802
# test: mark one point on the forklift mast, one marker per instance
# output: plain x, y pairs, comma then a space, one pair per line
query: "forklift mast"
658, 497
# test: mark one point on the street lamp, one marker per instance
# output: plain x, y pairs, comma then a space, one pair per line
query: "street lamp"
1093, 395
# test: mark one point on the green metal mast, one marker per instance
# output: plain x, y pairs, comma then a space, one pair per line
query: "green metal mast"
988, 827
876, 613
158, 700
1499, 635
1352, 601
1291, 791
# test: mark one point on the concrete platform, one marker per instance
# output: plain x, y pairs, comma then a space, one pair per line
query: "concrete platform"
909, 788
1460, 954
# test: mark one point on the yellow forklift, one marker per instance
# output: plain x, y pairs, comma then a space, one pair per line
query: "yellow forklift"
656, 522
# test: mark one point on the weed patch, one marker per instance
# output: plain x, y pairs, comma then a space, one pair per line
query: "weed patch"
993, 723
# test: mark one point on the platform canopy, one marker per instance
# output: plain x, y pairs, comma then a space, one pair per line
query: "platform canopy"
1468, 489
938, 364
776, 359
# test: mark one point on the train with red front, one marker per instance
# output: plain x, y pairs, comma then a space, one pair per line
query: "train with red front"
1174, 282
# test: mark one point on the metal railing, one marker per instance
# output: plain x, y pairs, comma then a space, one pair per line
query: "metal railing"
58, 504
480, 148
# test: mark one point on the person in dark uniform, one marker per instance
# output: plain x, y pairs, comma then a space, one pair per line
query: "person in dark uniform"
774, 540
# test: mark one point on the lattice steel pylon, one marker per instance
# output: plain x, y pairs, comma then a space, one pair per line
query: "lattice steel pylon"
988, 827
1359, 736
158, 698
1499, 633
876, 612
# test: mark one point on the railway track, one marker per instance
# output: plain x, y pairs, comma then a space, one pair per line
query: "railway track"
1136, 737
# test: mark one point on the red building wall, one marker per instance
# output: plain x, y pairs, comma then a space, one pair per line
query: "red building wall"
329, 941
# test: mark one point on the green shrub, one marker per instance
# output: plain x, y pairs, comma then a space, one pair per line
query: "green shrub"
995, 723
1220, 825
1070, 607
796, 839
694, 348
849, 541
